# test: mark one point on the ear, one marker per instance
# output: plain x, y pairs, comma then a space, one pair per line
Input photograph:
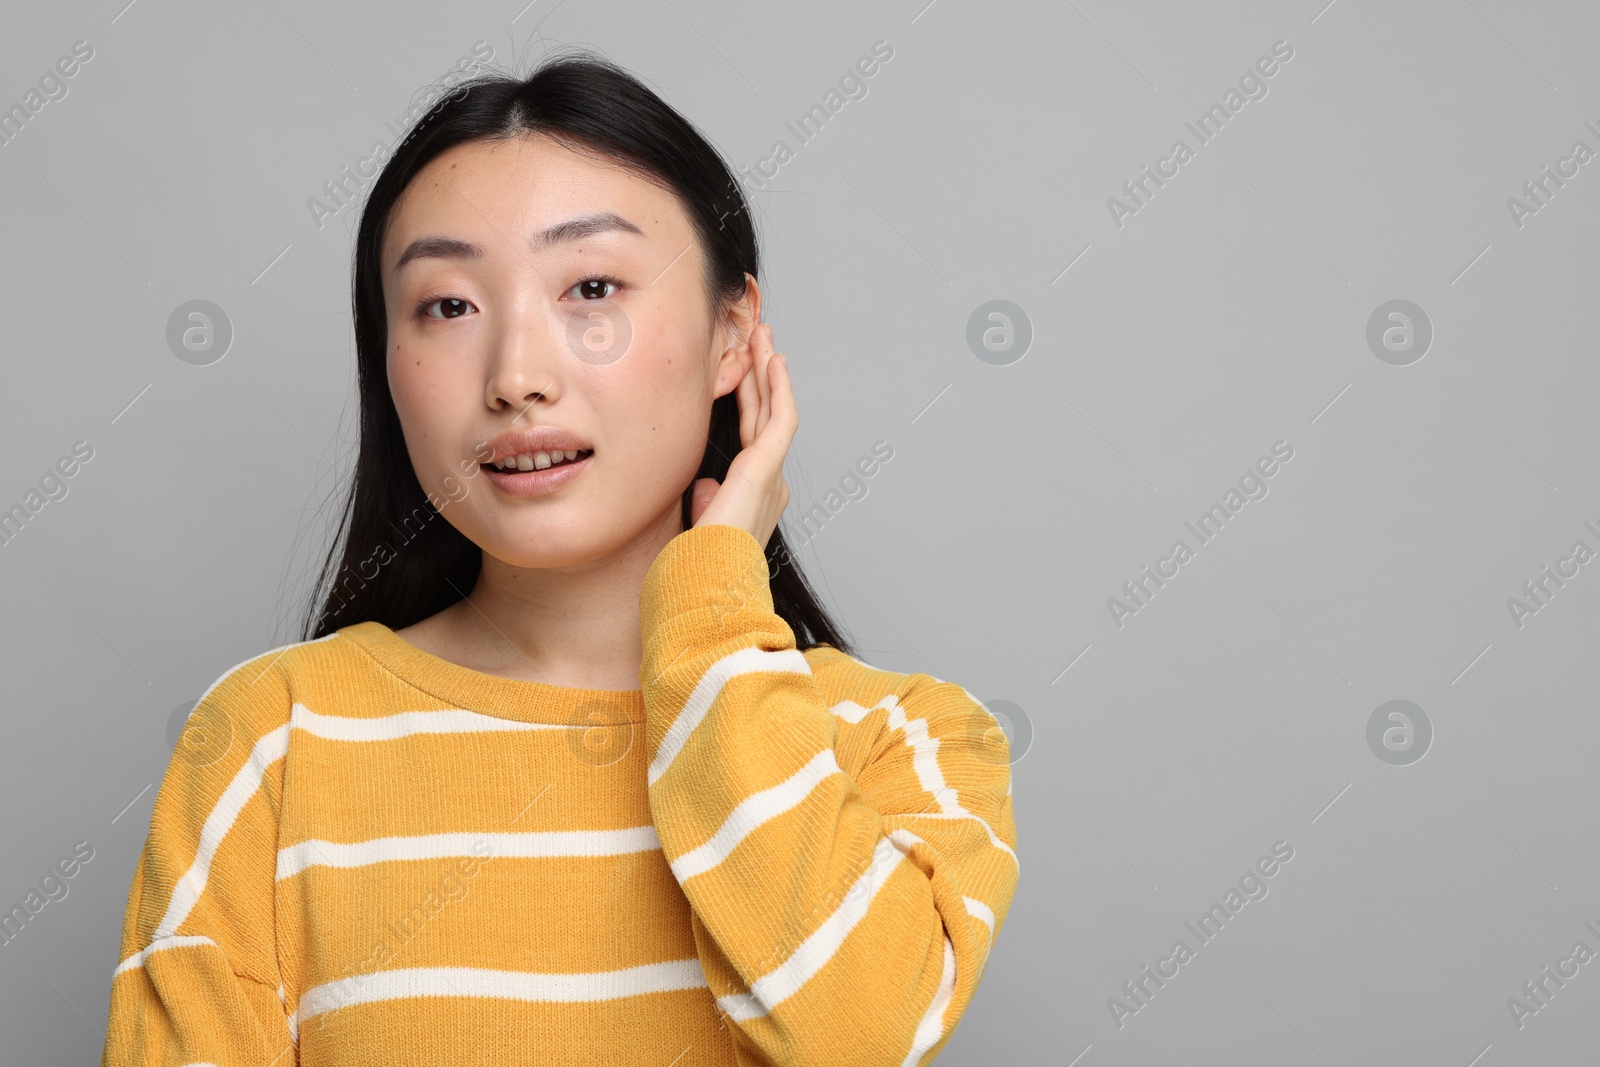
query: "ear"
737, 324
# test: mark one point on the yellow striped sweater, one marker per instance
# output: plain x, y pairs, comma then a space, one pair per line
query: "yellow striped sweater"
367, 854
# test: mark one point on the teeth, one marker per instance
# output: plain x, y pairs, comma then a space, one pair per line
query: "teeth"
530, 461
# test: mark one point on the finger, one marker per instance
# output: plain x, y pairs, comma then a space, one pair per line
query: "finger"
749, 403
704, 490
766, 457
758, 350
750, 420
784, 415
764, 412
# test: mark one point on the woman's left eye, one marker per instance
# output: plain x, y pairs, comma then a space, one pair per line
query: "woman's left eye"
594, 288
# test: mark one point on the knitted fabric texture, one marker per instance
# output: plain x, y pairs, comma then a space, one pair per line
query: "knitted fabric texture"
365, 854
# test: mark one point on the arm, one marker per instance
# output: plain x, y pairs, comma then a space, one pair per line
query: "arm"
198, 981
840, 919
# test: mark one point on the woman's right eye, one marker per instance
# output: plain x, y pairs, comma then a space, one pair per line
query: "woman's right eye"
450, 307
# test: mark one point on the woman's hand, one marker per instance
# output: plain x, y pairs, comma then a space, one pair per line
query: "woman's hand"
754, 495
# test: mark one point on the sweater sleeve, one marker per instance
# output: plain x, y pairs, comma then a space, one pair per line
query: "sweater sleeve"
840, 919
198, 979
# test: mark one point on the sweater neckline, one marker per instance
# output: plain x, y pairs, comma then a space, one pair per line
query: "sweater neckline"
491, 694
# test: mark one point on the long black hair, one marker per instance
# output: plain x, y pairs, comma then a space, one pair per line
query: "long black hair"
392, 560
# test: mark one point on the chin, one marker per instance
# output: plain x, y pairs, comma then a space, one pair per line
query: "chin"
553, 545
545, 556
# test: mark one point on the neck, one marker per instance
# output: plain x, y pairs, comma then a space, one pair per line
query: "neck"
574, 626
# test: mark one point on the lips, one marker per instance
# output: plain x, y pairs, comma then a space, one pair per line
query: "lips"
534, 439
535, 483
525, 461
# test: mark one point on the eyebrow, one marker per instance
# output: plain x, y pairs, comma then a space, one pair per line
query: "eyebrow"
573, 229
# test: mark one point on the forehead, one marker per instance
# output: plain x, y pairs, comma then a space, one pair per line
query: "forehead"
514, 188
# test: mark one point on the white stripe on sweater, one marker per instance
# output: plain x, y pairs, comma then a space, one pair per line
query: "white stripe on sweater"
506, 985
905, 839
531, 845
138, 958
407, 723
931, 1028
754, 811
961, 813
776, 986
925, 761
272, 747
982, 911
818, 949
770, 803
693, 712
761, 807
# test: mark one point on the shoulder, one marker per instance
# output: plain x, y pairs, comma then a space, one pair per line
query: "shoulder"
856, 679
256, 696
861, 694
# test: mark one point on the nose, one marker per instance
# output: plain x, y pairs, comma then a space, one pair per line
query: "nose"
522, 362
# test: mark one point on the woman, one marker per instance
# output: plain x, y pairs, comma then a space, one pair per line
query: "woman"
582, 773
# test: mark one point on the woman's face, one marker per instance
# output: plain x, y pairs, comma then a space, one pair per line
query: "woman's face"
543, 288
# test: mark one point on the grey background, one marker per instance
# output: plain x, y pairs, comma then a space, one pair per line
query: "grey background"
1229, 313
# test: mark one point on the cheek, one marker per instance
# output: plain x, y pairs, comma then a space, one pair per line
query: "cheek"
404, 371
420, 389
655, 412
423, 386
676, 362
